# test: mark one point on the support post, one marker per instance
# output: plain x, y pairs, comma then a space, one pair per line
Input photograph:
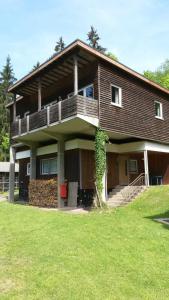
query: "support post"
75, 75
39, 95
104, 191
61, 148
11, 175
146, 170
33, 163
14, 108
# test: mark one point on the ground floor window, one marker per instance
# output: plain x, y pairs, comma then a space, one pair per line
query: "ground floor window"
49, 166
133, 166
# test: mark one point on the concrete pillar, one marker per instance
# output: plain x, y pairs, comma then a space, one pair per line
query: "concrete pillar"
33, 163
75, 75
60, 165
12, 175
104, 191
146, 170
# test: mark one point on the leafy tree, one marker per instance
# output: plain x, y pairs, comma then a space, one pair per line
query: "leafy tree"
112, 56
36, 66
161, 75
4, 148
60, 45
6, 79
94, 39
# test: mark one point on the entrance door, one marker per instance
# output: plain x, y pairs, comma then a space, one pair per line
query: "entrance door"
123, 170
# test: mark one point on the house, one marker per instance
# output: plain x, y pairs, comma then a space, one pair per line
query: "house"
56, 111
4, 176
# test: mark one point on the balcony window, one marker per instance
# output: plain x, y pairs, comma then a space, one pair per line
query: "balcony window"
87, 91
116, 95
158, 110
49, 166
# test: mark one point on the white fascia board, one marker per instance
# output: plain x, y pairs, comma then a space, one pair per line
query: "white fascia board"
156, 147
92, 120
22, 154
79, 144
40, 151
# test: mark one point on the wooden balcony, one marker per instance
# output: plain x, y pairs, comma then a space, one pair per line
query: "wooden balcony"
57, 113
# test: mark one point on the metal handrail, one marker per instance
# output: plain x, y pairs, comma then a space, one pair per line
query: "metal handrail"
137, 179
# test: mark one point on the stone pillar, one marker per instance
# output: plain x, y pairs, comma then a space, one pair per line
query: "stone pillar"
12, 175
146, 170
60, 165
33, 163
75, 75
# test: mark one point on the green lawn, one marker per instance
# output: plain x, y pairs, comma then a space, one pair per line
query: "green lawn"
116, 254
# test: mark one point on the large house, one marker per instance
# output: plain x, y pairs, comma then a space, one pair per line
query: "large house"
56, 111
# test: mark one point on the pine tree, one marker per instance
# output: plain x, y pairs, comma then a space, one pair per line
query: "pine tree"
60, 45
36, 66
6, 79
94, 39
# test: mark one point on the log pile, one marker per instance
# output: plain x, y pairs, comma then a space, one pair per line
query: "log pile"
43, 193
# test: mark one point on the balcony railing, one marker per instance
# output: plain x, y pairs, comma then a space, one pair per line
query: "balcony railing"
55, 113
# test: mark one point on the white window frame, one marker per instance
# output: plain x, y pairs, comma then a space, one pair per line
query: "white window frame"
28, 168
161, 110
136, 162
41, 167
120, 95
84, 90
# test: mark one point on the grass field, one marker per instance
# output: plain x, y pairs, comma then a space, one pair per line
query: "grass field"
115, 254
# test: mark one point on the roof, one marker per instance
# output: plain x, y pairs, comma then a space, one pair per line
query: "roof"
79, 44
5, 167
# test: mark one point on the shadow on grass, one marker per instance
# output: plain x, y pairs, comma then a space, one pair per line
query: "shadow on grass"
164, 215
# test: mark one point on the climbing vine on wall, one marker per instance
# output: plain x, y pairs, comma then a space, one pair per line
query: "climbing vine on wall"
100, 162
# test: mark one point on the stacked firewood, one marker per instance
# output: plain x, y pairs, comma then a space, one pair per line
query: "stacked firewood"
43, 193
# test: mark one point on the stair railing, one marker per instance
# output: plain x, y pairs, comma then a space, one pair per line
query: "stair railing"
130, 191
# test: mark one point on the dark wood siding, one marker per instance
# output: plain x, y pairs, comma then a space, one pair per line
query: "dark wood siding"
87, 169
112, 170
72, 165
137, 115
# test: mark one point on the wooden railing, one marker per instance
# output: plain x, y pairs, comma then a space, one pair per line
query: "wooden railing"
56, 113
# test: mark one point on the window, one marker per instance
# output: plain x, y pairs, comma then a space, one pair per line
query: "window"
158, 110
87, 91
133, 168
49, 166
116, 95
28, 169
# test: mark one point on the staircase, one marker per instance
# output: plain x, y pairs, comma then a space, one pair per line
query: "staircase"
122, 195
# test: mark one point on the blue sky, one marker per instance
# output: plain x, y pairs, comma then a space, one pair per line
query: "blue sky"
136, 31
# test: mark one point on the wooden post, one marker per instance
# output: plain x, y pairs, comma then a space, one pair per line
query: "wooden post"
33, 163
146, 170
12, 175
60, 161
39, 95
14, 108
75, 75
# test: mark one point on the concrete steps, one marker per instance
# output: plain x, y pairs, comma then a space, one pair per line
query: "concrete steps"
122, 195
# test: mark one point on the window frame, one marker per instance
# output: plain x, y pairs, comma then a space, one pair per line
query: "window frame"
136, 170
120, 95
28, 168
41, 166
84, 91
161, 110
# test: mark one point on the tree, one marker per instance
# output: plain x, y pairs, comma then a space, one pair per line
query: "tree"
4, 148
6, 79
36, 66
161, 75
112, 56
60, 45
94, 39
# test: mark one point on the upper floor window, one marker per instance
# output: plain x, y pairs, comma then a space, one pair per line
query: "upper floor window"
49, 166
116, 95
87, 91
158, 110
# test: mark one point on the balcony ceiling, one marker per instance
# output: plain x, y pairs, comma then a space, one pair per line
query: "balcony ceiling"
59, 69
